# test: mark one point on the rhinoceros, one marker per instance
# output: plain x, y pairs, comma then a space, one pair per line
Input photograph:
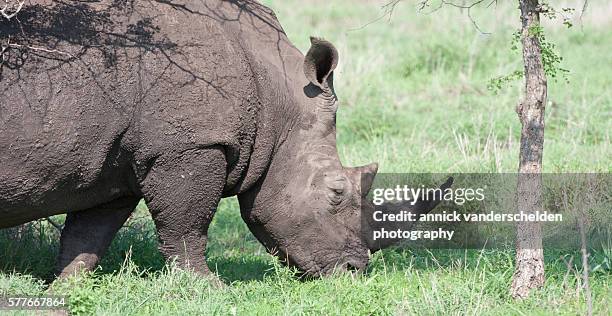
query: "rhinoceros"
179, 103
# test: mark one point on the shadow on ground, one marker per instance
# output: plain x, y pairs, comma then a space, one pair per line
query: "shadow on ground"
33, 249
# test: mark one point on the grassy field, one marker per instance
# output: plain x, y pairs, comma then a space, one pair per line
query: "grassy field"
414, 97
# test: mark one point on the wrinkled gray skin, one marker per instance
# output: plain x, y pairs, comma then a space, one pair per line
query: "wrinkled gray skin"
180, 103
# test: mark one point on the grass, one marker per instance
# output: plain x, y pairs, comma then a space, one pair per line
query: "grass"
134, 280
413, 97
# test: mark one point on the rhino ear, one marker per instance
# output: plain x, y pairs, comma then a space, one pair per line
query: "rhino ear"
320, 62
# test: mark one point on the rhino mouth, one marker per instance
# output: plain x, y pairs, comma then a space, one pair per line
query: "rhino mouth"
352, 264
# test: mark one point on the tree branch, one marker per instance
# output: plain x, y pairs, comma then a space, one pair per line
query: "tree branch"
425, 3
10, 8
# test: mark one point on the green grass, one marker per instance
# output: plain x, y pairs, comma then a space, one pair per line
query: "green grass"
134, 280
413, 98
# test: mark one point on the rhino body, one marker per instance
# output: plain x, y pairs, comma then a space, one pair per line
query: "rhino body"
130, 86
180, 103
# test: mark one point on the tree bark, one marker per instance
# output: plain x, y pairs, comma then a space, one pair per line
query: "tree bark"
529, 272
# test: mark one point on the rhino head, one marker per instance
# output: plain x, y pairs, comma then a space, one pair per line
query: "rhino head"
307, 208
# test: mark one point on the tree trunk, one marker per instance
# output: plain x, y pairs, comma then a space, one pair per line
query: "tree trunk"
585, 261
529, 271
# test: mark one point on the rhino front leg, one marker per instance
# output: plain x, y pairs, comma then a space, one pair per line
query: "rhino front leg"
87, 235
182, 191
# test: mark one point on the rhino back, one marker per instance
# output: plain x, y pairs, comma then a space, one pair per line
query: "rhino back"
104, 88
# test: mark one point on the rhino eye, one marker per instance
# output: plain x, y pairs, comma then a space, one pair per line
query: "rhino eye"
334, 198
336, 190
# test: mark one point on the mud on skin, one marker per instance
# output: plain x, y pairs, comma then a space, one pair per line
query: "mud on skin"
180, 103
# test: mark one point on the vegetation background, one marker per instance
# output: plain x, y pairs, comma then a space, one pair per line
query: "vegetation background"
413, 96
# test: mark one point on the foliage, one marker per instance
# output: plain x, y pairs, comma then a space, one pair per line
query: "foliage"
551, 59
10, 8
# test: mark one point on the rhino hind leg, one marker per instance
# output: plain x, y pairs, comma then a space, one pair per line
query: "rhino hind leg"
87, 235
182, 191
